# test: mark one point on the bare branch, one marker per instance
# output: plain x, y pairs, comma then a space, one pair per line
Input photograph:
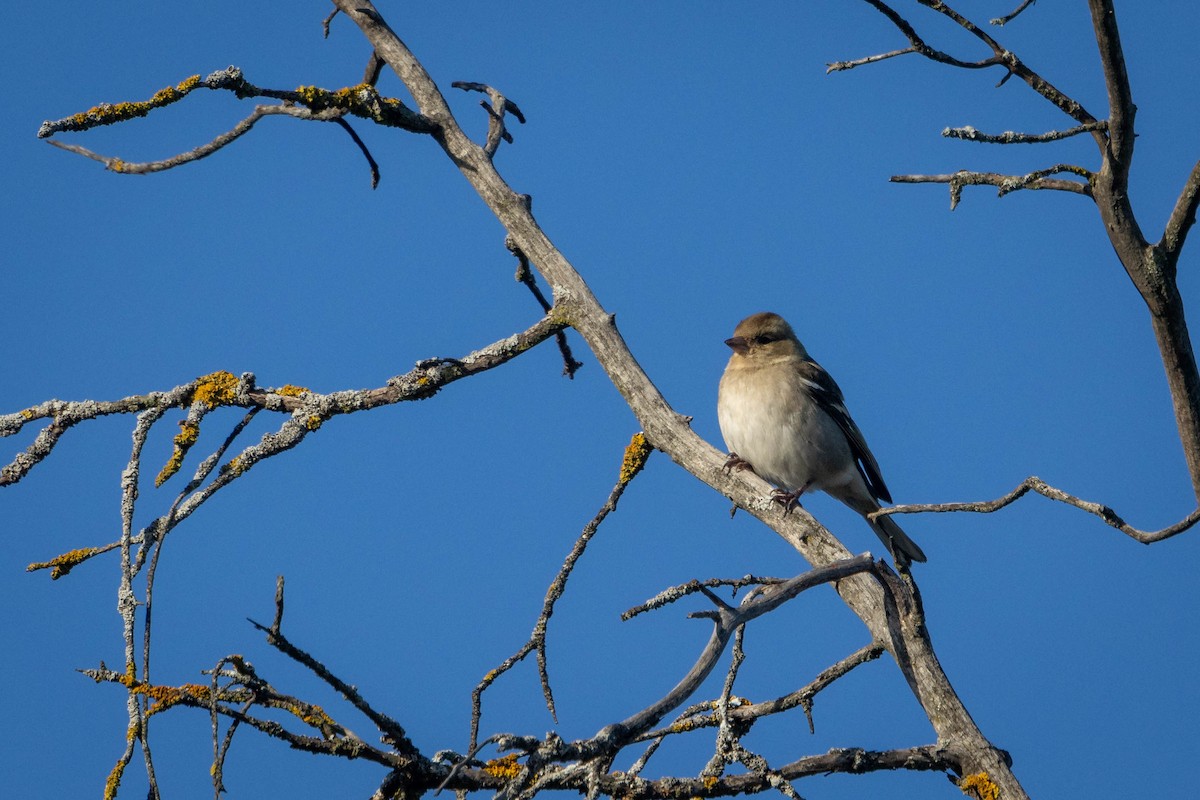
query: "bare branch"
674, 593
1035, 484
839, 66
1007, 18
501, 106
392, 731
524, 275
1121, 109
1001, 57
917, 45
701, 715
1183, 217
1005, 183
203, 151
970, 134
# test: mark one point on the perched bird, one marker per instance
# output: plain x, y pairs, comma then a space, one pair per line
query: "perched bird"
783, 416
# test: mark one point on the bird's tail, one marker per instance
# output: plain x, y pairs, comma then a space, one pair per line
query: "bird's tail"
903, 549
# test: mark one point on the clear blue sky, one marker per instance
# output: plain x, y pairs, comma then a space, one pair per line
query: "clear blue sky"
696, 164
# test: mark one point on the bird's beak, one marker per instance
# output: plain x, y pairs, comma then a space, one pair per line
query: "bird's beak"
738, 344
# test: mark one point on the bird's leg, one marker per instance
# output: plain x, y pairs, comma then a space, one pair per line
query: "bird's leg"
789, 500
737, 462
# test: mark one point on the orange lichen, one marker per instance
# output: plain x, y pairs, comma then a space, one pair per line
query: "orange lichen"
979, 786
636, 454
506, 767
312, 715
108, 113
114, 779
61, 565
162, 696
362, 101
183, 440
215, 389
291, 391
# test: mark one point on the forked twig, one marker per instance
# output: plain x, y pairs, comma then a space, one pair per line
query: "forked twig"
634, 459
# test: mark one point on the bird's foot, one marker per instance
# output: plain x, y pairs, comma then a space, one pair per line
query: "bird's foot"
788, 500
736, 462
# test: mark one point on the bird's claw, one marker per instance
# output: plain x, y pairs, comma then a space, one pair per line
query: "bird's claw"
788, 500
736, 462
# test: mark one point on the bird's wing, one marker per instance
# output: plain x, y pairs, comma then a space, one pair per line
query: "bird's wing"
828, 397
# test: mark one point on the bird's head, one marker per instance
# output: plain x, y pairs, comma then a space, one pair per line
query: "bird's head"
765, 335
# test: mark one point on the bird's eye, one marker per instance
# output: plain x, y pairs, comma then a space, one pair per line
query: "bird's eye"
765, 338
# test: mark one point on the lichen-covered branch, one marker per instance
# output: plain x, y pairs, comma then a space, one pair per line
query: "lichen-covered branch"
222, 388
359, 101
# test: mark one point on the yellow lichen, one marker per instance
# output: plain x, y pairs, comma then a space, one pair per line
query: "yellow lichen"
108, 113
236, 466
116, 165
506, 767
362, 101
163, 697
636, 454
114, 779
61, 565
980, 787
710, 781
29, 413
312, 715
313, 422
183, 442
291, 391
215, 389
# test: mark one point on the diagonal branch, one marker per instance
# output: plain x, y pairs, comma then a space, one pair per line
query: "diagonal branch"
668, 430
1183, 217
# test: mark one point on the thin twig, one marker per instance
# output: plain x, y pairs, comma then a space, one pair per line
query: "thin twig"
1035, 484
1001, 57
524, 275
499, 108
392, 730
115, 164
634, 459
1007, 18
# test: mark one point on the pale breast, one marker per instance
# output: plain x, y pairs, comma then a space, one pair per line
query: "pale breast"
768, 420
